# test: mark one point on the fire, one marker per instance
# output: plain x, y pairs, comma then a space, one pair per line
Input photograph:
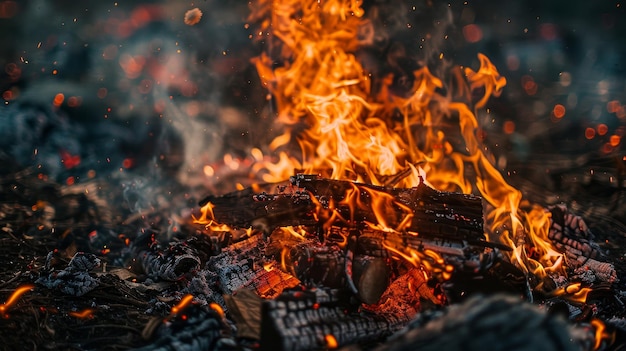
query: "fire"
348, 124
14, 297
208, 219
601, 333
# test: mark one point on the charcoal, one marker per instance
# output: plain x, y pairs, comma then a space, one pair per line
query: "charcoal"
305, 320
496, 323
317, 264
371, 277
168, 264
193, 329
571, 234
74, 279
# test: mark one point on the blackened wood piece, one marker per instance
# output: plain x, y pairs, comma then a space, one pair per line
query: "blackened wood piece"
244, 209
304, 320
435, 213
317, 264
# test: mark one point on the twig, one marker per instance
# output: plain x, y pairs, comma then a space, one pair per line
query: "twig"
17, 275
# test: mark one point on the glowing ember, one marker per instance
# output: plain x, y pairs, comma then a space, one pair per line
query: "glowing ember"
331, 341
84, 314
184, 302
192, 17
217, 308
14, 297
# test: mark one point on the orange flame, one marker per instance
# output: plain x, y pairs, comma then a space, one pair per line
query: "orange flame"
352, 133
572, 292
14, 297
331, 341
208, 219
601, 333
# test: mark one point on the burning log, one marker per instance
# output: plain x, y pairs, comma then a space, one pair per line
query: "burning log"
345, 243
432, 213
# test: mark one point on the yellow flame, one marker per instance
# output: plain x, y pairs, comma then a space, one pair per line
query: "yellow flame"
572, 292
208, 219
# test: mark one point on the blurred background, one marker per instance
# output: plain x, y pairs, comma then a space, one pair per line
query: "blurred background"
96, 88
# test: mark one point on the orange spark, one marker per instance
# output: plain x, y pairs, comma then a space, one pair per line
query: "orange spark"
84, 314
472, 33
217, 308
558, 111
16, 295
614, 140
58, 99
331, 341
186, 300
